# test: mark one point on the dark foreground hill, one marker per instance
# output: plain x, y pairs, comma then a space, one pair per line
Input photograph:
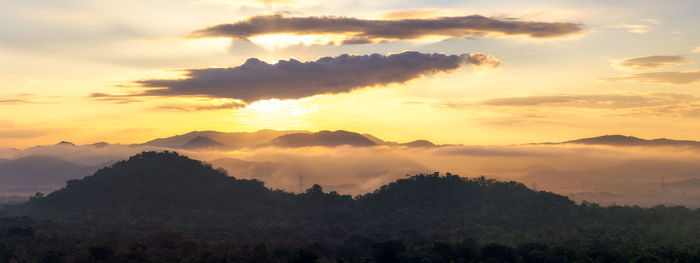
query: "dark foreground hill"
192, 196
181, 208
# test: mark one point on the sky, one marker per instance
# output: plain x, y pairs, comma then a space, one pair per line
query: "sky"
470, 72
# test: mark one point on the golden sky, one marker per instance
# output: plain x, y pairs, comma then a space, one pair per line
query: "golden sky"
471, 72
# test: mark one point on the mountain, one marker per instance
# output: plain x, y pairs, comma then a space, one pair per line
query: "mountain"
166, 180
376, 140
165, 206
39, 171
621, 140
419, 143
66, 143
169, 186
99, 144
322, 138
416, 143
231, 139
202, 142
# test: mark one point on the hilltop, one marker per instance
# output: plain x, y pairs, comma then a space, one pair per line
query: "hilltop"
322, 138
183, 208
165, 185
154, 186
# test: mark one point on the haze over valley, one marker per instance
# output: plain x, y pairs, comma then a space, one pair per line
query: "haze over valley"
608, 170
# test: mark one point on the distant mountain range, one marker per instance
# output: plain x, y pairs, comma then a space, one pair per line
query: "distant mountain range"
213, 140
622, 140
198, 140
39, 171
219, 139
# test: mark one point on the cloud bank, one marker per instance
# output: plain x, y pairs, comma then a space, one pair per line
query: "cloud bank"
377, 30
291, 79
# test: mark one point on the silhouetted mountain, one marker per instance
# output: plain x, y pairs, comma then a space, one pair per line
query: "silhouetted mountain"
322, 138
40, 171
202, 142
419, 143
376, 140
231, 139
162, 197
168, 185
99, 144
621, 140
416, 143
66, 143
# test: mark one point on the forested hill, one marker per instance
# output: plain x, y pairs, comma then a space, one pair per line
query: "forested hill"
191, 196
163, 192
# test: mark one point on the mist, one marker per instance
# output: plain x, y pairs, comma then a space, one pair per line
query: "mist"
644, 176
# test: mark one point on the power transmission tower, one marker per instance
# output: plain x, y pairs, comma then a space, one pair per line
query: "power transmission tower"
301, 183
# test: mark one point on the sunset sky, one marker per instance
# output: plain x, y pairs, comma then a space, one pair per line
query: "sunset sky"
470, 72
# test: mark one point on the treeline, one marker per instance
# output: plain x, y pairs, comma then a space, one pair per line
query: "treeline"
25, 246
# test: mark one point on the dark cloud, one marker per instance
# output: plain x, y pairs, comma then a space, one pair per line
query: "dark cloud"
456, 27
224, 106
25, 98
291, 79
357, 41
651, 62
14, 101
669, 77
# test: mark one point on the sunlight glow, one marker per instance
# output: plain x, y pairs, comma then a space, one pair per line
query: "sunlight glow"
275, 42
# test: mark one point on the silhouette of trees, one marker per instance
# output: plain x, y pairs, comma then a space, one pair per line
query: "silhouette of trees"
165, 207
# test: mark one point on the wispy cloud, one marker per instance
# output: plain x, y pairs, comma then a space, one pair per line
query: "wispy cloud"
113, 98
650, 62
24, 98
643, 27
613, 101
668, 77
535, 109
14, 101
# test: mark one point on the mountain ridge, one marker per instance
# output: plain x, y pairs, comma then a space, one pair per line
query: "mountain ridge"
625, 140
